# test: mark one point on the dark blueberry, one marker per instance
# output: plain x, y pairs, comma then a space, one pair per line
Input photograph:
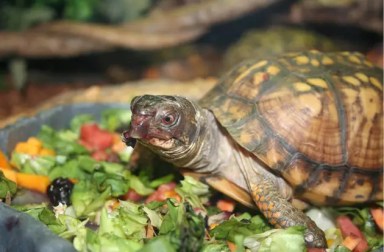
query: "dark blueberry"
59, 191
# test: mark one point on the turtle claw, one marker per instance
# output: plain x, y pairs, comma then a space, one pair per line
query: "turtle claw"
314, 237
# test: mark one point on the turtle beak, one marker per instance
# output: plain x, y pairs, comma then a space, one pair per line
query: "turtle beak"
138, 129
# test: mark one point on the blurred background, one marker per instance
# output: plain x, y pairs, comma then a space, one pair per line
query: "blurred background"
58, 51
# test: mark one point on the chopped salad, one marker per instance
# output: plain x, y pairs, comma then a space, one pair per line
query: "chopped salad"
85, 189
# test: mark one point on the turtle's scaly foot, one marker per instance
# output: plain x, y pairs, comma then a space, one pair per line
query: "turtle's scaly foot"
280, 213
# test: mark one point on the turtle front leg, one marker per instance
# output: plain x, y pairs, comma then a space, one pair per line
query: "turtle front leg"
282, 214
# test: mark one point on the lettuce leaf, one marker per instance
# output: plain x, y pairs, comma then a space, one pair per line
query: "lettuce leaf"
288, 240
216, 246
87, 199
158, 244
79, 120
41, 213
63, 142
240, 226
193, 191
7, 187
33, 164
112, 119
105, 242
184, 228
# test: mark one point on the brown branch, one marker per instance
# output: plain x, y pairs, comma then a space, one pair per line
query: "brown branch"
157, 31
202, 14
119, 36
30, 44
364, 14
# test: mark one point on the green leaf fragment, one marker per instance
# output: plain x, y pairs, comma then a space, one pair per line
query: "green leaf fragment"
289, 240
7, 187
79, 120
158, 244
112, 119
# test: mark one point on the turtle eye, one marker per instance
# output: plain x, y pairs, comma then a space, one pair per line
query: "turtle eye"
168, 119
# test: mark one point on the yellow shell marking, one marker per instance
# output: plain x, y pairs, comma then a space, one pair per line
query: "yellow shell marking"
314, 51
362, 77
376, 83
367, 63
312, 102
354, 59
251, 68
259, 77
301, 60
351, 80
301, 86
273, 70
317, 82
315, 62
326, 60
371, 107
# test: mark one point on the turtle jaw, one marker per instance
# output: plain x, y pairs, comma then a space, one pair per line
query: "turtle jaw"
162, 143
147, 138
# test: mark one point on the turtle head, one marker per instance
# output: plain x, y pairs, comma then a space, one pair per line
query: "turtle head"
162, 123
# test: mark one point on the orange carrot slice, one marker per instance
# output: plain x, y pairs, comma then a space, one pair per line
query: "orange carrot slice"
4, 163
231, 246
34, 182
47, 152
225, 205
378, 216
9, 174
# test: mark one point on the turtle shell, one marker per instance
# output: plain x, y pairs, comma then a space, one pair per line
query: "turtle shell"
314, 118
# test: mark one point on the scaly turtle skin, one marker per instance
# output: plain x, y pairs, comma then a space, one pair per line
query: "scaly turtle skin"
302, 125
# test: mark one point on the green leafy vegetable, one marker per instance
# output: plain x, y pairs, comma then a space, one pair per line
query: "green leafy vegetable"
7, 187
87, 199
58, 141
33, 164
289, 240
112, 119
216, 246
79, 120
191, 189
184, 228
243, 225
159, 244
42, 213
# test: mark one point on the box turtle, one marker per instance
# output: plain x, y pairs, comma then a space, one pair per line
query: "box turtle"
305, 126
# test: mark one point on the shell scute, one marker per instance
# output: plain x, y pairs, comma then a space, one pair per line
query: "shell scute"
309, 113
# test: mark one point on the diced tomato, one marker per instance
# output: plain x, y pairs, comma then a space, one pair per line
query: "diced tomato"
95, 138
231, 246
99, 155
163, 192
118, 144
226, 205
378, 216
316, 250
4, 162
347, 228
132, 195
86, 145
351, 242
